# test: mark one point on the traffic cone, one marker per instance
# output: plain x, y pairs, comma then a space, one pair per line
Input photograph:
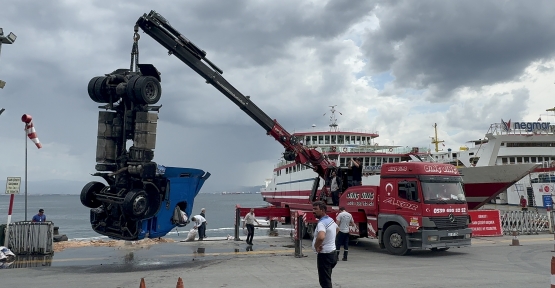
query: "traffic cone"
143, 285
515, 241
179, 283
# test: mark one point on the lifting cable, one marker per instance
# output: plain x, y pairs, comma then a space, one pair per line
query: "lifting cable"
134, 67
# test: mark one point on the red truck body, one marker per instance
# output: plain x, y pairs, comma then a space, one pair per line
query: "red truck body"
417, 206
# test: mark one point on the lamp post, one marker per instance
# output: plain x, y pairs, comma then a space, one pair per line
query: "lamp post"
10, 39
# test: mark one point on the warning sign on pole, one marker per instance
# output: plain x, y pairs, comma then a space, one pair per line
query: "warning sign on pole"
12, 185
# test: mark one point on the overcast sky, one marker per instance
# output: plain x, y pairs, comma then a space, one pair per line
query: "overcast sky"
396, 67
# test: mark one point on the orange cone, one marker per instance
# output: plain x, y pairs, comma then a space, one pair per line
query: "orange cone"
515, 241
143, 285
179, 283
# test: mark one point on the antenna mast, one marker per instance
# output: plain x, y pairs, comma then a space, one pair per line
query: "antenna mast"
434, 140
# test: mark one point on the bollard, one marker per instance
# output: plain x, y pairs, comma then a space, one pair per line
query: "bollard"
515, 241
298, 237
237, 223
142, 285
179, 283
552, 271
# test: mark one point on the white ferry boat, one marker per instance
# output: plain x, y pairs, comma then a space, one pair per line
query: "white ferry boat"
292, 183
510, 143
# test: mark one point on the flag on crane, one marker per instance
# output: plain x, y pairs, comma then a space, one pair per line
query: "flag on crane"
30, 129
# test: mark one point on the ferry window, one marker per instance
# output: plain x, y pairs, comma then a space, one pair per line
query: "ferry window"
391, 160
307, 140
364, 140
533, 159
327, 137
320, 139
384, 160
347, 139
373, 161
518, 159
366, 161
333, 139
342, 162
358, 140
294, 169
526, 160
314, 140
340, 139
504, 160
471, 153
502, 143
512, 160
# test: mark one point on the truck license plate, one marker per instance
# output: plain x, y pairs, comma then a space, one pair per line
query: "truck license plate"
452, 233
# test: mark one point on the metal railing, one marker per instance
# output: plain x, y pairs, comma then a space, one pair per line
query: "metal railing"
526, 222
27, 237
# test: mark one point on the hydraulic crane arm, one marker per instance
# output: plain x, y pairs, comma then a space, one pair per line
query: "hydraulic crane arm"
160, 29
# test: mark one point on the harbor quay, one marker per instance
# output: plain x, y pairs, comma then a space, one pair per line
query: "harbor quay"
270, 262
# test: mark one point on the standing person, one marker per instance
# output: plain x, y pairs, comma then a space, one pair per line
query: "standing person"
249, 222
41, 217
335, 188
356, 166
203, 214
344, 219
199, 221
523, 203
324, 243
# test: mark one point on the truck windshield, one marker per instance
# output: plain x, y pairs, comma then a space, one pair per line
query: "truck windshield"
443, 192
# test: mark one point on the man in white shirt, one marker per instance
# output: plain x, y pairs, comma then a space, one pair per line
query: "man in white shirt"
344, 219
324, 243
249, 222
199, 221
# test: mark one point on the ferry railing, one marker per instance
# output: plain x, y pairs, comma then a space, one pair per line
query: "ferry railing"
27, 237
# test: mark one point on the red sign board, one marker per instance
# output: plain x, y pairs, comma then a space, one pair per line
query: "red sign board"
485, 223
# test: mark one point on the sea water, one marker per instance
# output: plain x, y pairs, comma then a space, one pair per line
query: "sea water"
72, 218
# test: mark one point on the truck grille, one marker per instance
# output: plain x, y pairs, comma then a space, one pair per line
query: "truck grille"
444, 223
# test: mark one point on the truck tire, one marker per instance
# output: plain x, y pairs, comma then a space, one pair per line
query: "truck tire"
102, 95
147, 90
395, 240
136, 204
90, 89
88, 194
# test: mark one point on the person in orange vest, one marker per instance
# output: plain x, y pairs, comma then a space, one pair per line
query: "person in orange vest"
523, 203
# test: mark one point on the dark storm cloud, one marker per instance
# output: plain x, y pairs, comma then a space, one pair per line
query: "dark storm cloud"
445, 45
62, 45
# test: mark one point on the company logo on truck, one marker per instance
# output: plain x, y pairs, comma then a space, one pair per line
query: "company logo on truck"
441, 169
402, 204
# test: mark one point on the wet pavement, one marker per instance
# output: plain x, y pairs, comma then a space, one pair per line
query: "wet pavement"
489, 262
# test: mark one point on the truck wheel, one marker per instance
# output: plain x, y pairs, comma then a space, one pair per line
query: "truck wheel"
90, 89
88, 194
136, 204
147, 90
395, 240
102, 94
130, 88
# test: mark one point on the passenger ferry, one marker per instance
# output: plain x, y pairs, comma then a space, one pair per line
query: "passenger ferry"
510, 143
292, 183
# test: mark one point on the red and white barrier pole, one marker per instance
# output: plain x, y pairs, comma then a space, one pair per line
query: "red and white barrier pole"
552, 271
9, 220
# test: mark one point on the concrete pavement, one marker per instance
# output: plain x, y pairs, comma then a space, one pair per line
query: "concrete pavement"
489, 262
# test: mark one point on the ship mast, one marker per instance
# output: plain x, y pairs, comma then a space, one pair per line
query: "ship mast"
333, 121
435, 140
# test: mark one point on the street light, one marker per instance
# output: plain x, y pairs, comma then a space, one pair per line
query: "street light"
10, 39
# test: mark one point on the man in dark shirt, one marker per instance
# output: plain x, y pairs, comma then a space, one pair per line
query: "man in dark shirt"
356, 166
39, 217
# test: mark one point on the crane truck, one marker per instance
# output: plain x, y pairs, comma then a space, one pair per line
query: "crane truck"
417, 205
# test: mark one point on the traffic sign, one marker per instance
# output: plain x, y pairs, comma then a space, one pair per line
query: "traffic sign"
547, 201
12, 185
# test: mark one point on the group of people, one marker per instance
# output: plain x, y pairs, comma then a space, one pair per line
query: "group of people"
335, 183
329, 236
